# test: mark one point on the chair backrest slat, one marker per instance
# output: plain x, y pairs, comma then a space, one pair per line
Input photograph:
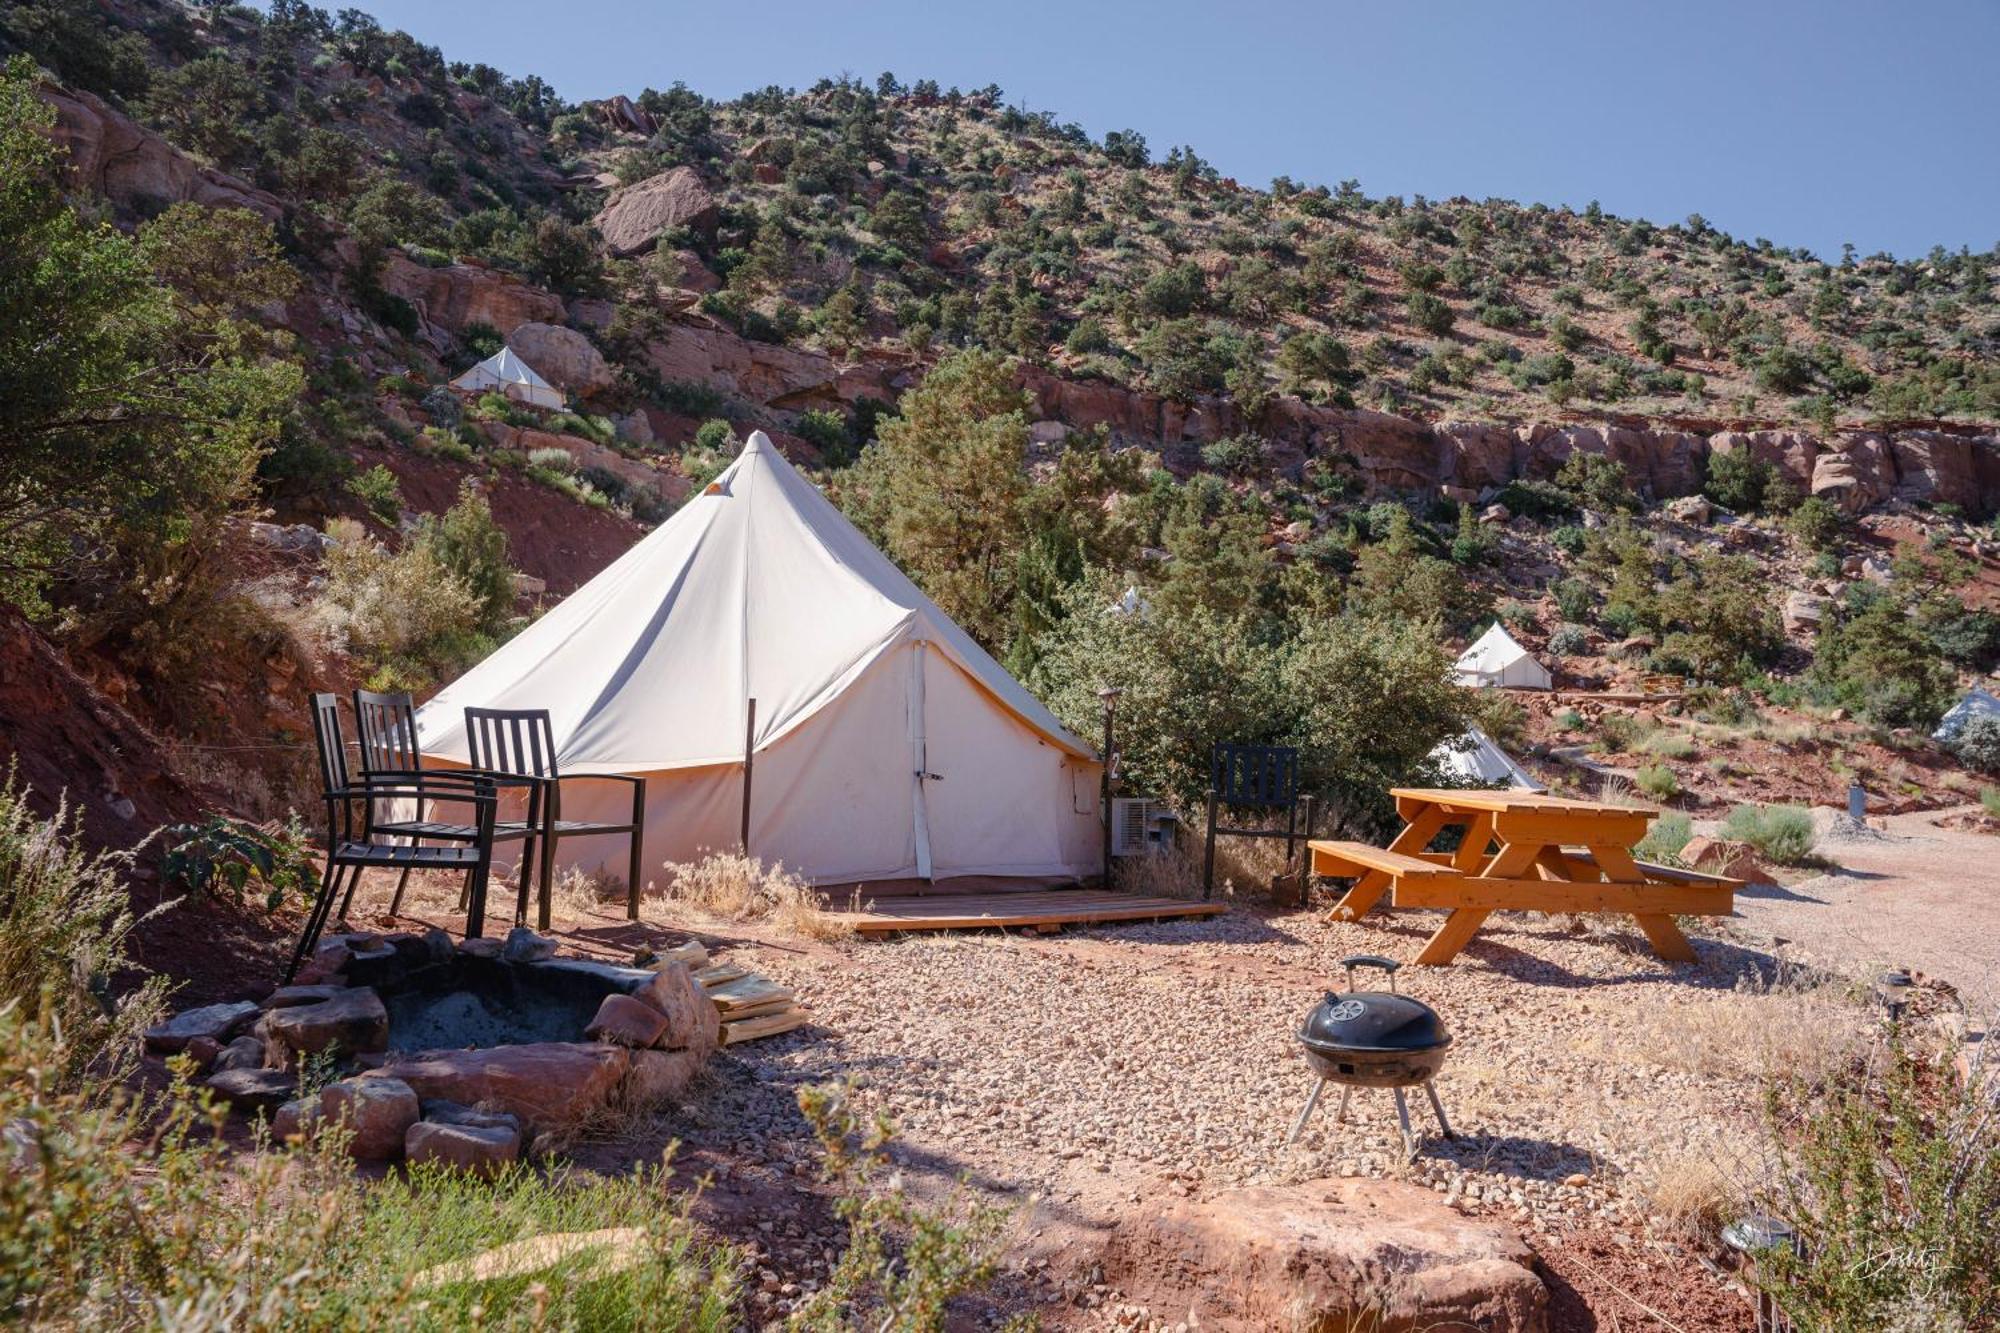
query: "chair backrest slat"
520, 741
387, 727
1255, 775
332, 747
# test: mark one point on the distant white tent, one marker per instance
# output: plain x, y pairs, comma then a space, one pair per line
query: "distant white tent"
1499, 659
1475, 760
1978, 703
887, 744
507, 374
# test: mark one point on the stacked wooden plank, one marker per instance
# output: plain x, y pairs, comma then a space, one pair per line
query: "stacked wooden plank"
751, 1006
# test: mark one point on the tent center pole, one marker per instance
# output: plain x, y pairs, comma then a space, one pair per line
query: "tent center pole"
749, 754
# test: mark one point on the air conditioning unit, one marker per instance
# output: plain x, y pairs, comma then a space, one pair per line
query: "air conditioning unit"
1141, 826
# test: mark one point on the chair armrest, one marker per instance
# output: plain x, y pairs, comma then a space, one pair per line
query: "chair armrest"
481, 794
459, 776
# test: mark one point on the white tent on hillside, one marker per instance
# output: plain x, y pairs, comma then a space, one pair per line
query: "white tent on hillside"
1497, 658
1474, 760
507, 374
886, 743
1976, 703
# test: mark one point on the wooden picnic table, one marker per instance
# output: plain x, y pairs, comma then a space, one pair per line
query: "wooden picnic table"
1521, 851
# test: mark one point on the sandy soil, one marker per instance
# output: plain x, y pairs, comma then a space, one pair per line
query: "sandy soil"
1914, 895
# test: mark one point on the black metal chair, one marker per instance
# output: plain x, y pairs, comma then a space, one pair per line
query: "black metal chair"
521, 743
386, 726
1255, 777
351, 837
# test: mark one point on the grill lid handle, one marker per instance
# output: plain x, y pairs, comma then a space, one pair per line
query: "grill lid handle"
1388, 965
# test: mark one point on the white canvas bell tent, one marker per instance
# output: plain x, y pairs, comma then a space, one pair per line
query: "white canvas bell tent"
1976, 703
887, 744
1473, 759
506, 374
1498, 659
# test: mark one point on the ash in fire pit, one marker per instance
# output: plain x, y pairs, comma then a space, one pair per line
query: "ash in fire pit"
487, 1002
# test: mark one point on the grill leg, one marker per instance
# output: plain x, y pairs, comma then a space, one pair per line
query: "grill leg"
1438, 1108
1340, 1116
1403, 1119
1299, 1126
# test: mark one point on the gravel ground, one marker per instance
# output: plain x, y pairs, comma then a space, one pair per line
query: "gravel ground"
1103, 1067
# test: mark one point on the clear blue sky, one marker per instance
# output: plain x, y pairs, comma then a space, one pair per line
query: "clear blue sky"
1810, 123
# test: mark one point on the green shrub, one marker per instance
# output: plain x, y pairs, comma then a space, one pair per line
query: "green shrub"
380, 492
1989, 801
1977, 744
1891, 1176
65, 925
1815, 522
223, 854
1780, 833
406, 616
1237, 455
1664, 840
1657, 781
1432, 314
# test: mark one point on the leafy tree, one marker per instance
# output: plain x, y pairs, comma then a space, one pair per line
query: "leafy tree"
208, 105
1308, 359
1432, 314
1720, 616
132, 414
1183, 360
1737, 481
472, 547
1816, 522
72, 38
1396, 580
1214, 539
941, 487
899, 217
1597, 481
1873, 657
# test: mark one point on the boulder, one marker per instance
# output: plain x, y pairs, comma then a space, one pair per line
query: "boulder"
1803, 611
548, 1085
378, 1112
1476, 455
1859, 474
354, 1020
1933, 467
458, 1113
480, 1150
1733, 860
692, 1022
624, 1021
109, 154
1690, 509
622, 113
328, 963
204, 1051
457, 296
217, 1022
658, 1077
253, 1090
563, 357
1495, 514
1334, 1254
634, 217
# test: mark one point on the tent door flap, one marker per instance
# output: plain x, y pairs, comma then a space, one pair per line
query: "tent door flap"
919, 760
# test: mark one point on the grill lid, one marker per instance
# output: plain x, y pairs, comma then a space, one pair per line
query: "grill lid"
1358, 1020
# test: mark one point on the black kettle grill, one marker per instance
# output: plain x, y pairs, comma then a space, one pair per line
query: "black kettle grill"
1373, 1039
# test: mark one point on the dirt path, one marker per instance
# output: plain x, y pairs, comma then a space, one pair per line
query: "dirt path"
1914, 895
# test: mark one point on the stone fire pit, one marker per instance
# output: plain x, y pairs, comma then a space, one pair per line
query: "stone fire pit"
460, 1054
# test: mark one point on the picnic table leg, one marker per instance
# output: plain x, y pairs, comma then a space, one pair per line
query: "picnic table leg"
1458, 929
1666, 938
1368, 890
1456, 932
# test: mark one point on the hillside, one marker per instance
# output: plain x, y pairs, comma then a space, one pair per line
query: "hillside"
1216, 385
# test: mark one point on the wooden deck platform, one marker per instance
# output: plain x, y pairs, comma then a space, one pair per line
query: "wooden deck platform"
1048, 908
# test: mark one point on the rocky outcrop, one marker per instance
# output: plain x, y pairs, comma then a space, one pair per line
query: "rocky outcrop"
459, 295
622, 113
112, 155
1333, 1254
787, 378
1791, 452
1935, 468
563, 357
1858, 475
634, 217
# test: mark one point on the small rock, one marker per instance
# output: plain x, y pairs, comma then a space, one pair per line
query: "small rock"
246, 1052
692, 1022
478, 1149
218, 1022
253, 1090
354, 1020
203, 1051
625, 1021
287, 997
525, 946
377, 1111
481, 948
447, 1112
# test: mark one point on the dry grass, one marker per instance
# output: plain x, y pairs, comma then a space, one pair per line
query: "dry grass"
1692, 1195
1243, 867
729, 886
1794, 1025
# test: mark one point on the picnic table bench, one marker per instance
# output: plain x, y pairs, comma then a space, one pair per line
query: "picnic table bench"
1519, 851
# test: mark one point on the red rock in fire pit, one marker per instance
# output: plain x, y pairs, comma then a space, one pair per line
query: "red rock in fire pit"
692, 1020
377, 1111
354, 1020
624, 1021
548, 1084
479, 1149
